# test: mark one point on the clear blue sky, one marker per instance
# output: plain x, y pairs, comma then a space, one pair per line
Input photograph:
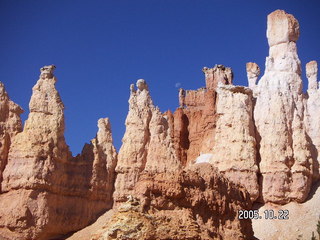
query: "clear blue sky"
101, 47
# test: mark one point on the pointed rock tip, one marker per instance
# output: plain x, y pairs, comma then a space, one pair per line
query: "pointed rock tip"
104, 123
142, 84
47, 71
2, 88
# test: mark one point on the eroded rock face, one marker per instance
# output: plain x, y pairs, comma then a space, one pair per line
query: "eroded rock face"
195, 119
196, 203
282, 28
147, 143
312, 116
286, 163
10, 125
217, 74
234, 152
45, 192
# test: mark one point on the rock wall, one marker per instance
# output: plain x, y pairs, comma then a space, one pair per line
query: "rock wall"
45, 192
285, 156
10, 125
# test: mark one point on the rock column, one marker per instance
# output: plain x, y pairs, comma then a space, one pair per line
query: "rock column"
285, 150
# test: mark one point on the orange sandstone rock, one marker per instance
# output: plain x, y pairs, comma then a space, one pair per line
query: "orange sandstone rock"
45, 192
196, 203
10, 125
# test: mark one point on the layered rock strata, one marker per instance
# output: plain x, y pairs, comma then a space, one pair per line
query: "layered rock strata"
10, 125
234, 152
147, 143
45, 192
285, 156
195, 203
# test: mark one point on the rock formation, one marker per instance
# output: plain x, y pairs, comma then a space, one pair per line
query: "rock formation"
185, 174
10, 125
194, 121
45, 192
165, 206
253, 72
234, 152
312, 116
147, 142
284, 148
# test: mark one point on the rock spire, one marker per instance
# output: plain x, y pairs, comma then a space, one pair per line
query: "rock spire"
147, 143
10, 125
285, 156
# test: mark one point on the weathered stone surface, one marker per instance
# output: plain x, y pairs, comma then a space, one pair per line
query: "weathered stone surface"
161, 153
195, 119
147, 144
312, 114
312, 74
10, 125
47, 193
217, 74
196, 203
234, 152
282, 28
286, 163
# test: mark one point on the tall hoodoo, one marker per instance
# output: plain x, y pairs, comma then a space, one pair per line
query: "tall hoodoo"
10, 125
147, 143
132, 156
34, 151
286, 163
312, 116
234, 151
103, 163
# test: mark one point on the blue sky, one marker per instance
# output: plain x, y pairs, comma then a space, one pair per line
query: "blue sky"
101, 47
